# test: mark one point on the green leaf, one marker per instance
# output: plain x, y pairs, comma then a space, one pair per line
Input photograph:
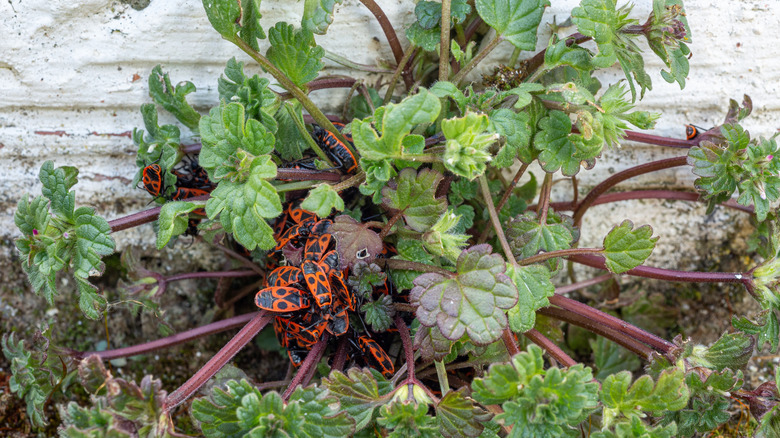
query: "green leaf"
471, 301
408, 419
173, 99
412, 250
173, 221
559, 53
516, 129
443, 89
56, 188
355, 241
536, 401
426, 31
635, 428
620, 397
443, 238
35, 373
610, 358
625, 248
243, 208
732, 350
295, 53
459, 416
515, 20
709, 405
224, 16
322, 199
382, 136
615, 112
467, 144
462, 190
253, 93
527, 237
360, 393
160, 146
232, 144
413, 195
766, 327
534, 287
318, 15
379, 314
604, 22
358, 106
237, 409
290, 143
250, 29
560, 149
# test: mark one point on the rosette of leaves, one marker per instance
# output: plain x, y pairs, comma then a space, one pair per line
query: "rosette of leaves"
236, 155
57, 236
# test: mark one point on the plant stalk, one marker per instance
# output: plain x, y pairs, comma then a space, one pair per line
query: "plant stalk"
550, 347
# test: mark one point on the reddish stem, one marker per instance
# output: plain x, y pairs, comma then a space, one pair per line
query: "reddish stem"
570, 252
611, 322
324, 83
392, 38
406, 341
340, 358
134, 220
170, 341
244, 336
582, 284
645, 194
509, 341
641, 137
621, 339
213, 274
550, 347
620, 177
597, 261
308, 364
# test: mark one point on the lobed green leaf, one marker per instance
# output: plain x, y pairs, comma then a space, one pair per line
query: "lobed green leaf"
515, 20
625, 248
294, 52
173, 99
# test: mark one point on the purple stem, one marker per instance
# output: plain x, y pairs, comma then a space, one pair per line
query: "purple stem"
550, 347
406, 340
213, 274
324, 83
392, 38
309, 363
611, 322
644, 194
244, 336
170, 341
582, 284
134, 220
597, 261
340, 358
622, 339
620, 177
641, 137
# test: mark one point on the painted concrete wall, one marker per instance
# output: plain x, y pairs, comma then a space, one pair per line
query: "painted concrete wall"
73, 75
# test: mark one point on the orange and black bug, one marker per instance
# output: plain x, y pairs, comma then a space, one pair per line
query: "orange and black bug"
296, 232
338, 322
339, 290
281, 299
376, 357
331, 259
335, 149
317, 282
186, 193
315, 246
153, 179
693, 131
285, 276
298, 215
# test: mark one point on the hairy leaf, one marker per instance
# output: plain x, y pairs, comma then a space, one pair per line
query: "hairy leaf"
534, 287
609, 358
459, 416
621, 398
431, 343
379, 313
322, 200
469, 302
732, 350
237, 409
560, 149
173, 99
467, 145
537, 402
253, 93
360, 393
527, 237
318, 15
515, 127
35, 373
413, 194
406, 419
173, 221
625, 248
515, 20
295, 53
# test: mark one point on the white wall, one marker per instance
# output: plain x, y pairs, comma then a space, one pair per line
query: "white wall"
73, 75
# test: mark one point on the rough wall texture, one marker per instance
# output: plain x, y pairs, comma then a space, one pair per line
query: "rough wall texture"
73, 75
